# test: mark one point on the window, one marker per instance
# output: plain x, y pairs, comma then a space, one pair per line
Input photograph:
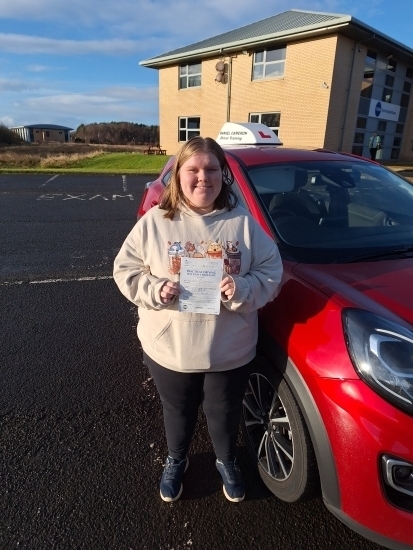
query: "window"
397, 141
407, 87
381, 127
268, 64
370, 65
409, 72
361, 122
272, 120
387, 93
395, 154
237, 190
366, 88
47, 133
404, 101
389, 80
399, 128
190, 76
189, 127
391, 65
359, 137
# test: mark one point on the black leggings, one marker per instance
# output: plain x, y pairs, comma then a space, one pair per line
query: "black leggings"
221, 395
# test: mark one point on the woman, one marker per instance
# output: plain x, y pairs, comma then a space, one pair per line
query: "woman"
199, 358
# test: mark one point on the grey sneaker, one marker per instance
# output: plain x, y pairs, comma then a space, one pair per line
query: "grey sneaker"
171, 480
234, 488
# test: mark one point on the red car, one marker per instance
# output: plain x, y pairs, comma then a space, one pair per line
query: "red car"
330, 406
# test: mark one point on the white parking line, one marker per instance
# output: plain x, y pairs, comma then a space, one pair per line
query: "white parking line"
48, 281
51, 179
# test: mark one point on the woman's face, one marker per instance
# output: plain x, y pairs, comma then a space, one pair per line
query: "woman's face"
201, 181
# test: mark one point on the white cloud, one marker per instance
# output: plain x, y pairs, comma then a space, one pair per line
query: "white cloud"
38, 68
7, 121
22, 44
128, 27
14, 85
109, 104
162, 19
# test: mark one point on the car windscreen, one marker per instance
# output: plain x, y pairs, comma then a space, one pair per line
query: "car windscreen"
327, 211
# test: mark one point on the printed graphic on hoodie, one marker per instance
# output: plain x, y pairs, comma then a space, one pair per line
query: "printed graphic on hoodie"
205, 249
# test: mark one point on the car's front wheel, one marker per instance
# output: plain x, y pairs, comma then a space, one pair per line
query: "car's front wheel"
277, 437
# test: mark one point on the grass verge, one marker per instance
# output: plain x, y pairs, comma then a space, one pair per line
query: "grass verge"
101, 163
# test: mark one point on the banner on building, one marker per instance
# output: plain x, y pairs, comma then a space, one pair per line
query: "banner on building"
383, 110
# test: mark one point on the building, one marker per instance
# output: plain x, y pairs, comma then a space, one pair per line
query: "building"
43, 132
318, 79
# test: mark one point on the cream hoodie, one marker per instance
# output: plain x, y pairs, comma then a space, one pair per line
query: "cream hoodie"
196, 342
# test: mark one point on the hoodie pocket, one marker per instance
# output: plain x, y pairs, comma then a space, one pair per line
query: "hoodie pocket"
186, 342
194, 344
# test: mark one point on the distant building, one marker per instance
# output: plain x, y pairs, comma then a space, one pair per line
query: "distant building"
43, 132
317, 79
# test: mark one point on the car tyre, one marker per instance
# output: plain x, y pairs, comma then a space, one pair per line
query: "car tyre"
277, 437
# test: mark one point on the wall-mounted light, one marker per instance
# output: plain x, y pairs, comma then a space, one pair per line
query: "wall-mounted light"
244, 52
389, 55
325, 85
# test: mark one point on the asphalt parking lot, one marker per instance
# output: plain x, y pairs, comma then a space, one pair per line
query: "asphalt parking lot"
82, 441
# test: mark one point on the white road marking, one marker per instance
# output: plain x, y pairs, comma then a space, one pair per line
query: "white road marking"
48, 281
51, 179
124, 183
68, 197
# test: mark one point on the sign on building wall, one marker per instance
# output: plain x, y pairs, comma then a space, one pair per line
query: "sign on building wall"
383, 110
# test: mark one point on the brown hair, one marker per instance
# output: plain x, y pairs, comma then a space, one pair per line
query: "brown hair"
172, 195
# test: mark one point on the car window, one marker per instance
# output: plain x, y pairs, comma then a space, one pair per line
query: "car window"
336, 209
237, 190
167, 177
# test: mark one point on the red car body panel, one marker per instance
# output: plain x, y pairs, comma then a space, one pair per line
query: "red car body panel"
153, 190
361, 425
305, 321
368, 285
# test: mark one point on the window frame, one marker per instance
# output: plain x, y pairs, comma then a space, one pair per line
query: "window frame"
266, 64
187, 129
188, 75
275, 129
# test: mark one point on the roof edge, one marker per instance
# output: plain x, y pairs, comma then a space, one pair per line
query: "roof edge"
295, 34
153, 62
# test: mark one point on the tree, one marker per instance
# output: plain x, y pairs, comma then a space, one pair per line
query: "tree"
117, 133
8, 137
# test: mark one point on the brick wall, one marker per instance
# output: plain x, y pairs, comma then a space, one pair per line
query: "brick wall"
317, 97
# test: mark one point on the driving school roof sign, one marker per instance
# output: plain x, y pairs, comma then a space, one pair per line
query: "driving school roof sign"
247, 133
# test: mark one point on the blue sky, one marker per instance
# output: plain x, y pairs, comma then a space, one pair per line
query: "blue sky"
77, 61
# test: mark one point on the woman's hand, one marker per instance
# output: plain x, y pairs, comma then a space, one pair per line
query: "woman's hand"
227, 287
168, 291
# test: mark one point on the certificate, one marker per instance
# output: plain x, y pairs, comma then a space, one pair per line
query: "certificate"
199, 280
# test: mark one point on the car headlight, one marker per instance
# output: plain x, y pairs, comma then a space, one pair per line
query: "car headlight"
382, 353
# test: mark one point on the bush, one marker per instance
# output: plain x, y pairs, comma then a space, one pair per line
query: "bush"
8, 137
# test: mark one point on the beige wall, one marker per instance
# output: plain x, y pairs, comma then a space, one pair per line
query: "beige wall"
208, 102
348, 74
54, 135
299, 96
318, 96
